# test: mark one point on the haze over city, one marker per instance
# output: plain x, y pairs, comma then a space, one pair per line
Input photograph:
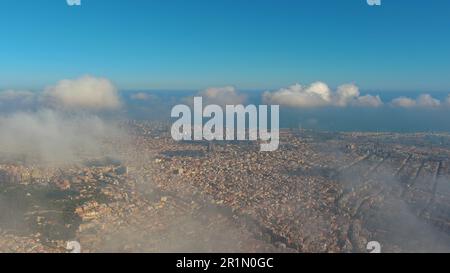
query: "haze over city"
88, 156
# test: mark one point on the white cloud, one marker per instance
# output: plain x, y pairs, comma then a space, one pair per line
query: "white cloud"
227, 95
84, 93
319, 94
424, 101
346, 94
32, 130
403, 102
427, 100
369, 101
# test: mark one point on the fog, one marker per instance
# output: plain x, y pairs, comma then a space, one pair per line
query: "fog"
393, 217
62, 124
48, 136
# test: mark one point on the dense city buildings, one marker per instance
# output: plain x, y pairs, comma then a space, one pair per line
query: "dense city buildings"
319, 192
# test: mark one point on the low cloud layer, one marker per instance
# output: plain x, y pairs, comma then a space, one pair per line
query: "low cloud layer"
81, 94
318, 94
227, 95
52, 137
84, 93
58, 125
424, 101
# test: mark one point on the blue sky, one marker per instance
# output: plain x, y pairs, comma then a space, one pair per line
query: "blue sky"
252, 44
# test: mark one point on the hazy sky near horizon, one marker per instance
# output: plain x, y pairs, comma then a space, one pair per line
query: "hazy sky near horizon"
400, 45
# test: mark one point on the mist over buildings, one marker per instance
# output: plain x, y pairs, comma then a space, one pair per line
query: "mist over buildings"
49, 136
